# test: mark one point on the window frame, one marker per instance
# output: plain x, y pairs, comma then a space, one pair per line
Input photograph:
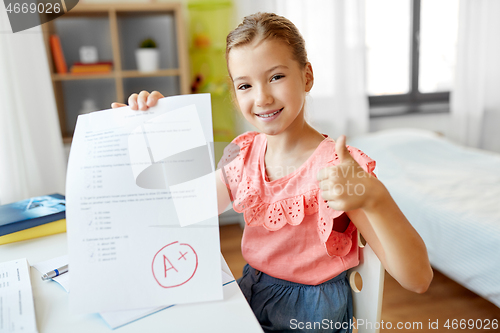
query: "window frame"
413, 102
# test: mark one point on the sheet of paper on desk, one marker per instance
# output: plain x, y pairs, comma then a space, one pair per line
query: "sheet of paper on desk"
17, 309
115, 319
141, 207
51, 264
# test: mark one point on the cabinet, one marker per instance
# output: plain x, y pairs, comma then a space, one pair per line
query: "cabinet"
116, 30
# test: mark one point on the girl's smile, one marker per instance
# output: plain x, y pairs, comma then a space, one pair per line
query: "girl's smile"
270, 86
268, 116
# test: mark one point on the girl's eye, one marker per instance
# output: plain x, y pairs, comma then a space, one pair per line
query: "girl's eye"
277, 77
243, 87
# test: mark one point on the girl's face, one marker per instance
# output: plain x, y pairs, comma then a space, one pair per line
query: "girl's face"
270, 86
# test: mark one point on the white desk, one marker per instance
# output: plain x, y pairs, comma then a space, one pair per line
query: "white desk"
52, 308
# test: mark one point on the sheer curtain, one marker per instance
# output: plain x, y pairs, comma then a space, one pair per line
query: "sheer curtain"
335, 41
32, 159
476, 97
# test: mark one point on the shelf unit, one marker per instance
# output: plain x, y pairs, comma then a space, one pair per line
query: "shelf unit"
116, 30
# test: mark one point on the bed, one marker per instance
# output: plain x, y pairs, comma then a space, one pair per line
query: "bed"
451, 195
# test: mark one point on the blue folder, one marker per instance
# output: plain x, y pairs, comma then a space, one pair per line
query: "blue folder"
32, 212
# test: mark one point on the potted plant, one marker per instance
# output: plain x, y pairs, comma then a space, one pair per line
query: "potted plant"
147, 56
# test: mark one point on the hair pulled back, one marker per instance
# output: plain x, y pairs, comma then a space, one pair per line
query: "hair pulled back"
262, 26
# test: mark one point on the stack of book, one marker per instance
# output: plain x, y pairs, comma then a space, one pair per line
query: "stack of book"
95, 68
32, 218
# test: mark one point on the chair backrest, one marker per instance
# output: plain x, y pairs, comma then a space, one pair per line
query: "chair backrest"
367, 298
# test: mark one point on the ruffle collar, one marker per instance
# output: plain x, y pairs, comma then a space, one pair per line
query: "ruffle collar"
260, 209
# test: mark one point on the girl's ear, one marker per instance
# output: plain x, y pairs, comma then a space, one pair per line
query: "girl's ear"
309, 77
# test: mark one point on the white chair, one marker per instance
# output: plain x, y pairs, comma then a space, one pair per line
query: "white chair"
367, 283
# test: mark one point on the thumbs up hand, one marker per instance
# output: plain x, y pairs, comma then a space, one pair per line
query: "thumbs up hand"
346, 186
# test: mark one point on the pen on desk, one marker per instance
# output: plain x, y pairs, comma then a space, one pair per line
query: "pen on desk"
55, 272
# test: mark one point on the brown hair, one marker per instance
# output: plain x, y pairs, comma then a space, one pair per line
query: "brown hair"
268, 26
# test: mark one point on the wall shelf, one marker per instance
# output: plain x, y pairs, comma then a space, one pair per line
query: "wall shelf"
116, 30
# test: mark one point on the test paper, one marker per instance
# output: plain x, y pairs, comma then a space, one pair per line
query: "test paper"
141, 207
116, 319
17, 309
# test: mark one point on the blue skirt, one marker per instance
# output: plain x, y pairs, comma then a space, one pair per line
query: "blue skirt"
284, 306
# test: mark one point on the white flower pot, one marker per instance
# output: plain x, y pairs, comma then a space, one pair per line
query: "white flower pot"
148, 59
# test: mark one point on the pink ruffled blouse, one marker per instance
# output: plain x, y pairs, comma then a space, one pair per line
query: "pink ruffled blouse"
289, 227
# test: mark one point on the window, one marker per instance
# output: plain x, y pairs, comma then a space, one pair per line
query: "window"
411, 48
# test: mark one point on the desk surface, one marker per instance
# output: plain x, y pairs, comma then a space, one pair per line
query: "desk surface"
52, 303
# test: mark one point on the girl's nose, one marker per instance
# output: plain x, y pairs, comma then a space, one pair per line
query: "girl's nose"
264, 97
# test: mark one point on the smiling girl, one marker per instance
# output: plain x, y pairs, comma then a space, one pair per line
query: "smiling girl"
303, 195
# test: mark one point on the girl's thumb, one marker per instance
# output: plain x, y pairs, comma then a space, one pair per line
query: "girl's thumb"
341, 149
